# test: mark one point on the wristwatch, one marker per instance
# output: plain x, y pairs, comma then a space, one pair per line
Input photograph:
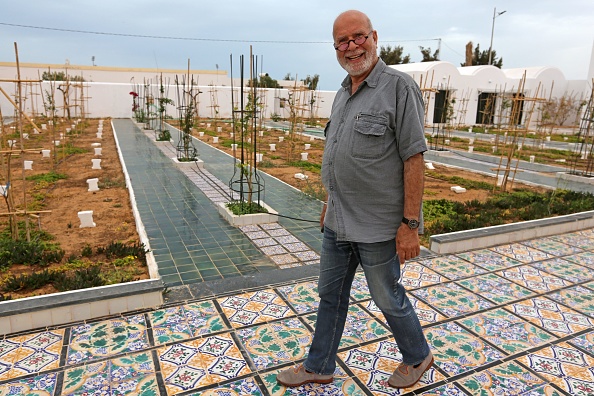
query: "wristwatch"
412, 223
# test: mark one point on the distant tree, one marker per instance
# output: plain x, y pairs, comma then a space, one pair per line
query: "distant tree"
265, 81
312, 82
393, 56
288, 77
427, 57
482, 58
59, 76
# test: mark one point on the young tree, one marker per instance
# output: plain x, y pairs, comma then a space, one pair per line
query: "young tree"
393, 56
427, 57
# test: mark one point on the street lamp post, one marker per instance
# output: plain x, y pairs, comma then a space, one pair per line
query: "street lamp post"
495, 15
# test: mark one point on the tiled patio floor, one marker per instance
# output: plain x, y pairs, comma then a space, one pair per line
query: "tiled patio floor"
515, 319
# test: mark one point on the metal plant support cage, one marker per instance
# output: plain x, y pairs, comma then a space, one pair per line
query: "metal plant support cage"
186, 151
246, 184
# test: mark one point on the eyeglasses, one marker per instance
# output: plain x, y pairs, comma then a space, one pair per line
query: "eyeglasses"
359, 40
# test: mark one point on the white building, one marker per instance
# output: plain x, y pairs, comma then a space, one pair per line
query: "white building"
474, 95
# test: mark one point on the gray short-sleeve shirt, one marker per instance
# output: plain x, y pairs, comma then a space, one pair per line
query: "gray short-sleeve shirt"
368, 137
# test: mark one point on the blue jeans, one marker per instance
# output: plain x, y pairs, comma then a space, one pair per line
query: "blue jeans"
338, 263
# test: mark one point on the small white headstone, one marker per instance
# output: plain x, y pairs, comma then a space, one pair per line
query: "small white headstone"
93, 184
28, 165
215, 139
307, 146
304, 156
259, 157
3, 190
43, 127
234, 146
260, 133
532, 159
220, 129
95, 144
281, 138
25, 136
200, 134
45, 153
429, 165
56, 142
301, 176
86, 218
96, 163
470, 149
311, 138
99, 135
98, 150
272, 146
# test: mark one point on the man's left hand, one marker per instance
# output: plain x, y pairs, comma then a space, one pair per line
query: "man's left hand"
407, 243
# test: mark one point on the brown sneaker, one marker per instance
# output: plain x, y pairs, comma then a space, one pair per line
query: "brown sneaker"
406, 376
296, 376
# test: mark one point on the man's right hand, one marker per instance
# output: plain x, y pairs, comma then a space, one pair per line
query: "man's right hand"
322, 215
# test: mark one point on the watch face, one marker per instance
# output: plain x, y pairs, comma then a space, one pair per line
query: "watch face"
413, 224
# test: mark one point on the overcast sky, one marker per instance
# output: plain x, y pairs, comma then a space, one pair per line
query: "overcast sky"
291, 36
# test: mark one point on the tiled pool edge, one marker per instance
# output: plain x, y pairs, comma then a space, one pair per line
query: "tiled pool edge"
77, 305
479, 238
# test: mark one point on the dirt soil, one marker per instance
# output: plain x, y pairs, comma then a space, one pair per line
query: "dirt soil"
60, 202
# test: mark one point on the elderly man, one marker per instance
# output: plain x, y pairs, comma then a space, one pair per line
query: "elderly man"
373, 173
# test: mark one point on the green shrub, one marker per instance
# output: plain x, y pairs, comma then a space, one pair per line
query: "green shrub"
239, 208
119, 250
34, 252
50, 177
83, 278
28, 282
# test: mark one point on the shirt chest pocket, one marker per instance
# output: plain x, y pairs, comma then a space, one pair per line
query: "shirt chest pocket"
369, 136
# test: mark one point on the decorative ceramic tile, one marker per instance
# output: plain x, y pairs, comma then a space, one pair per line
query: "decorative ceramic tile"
201, 362
129, 375
286, 239
44, 384
495, 288
342, 385
274, 249
579, 298
457, 351
551, 316
307, 255
425, 313
533, 278
244, 387
488, 259
283, 259
585, 258
303, 297
522, 253
360, 289
270, 226
564, 269
374, 363
359, 327
507, 379
250, 228
452, 300
255, 307
444, 390
452, 267
277, 343
278, 232
296, 247
585, 341
506, 331
185, 321
552, 246
565, 366
264, 242
257, 234
576, 239
107, 338
292, 265
589, 233
415, 275
28, 354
